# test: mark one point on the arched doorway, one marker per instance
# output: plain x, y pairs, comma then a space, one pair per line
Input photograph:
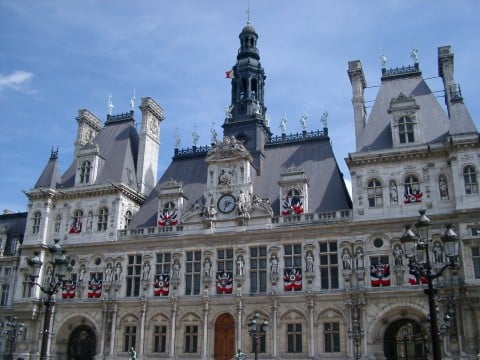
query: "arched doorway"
224, 337
81, 345
405, 340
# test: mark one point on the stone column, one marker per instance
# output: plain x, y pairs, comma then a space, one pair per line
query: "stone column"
239, 309
173, 327
274, 327
113, 328
142, 328
311, 345
205, 329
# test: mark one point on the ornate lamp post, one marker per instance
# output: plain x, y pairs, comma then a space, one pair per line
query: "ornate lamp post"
416, 250
55, 279
9, 330
257, 331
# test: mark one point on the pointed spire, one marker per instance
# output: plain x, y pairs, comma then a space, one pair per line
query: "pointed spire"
50, 176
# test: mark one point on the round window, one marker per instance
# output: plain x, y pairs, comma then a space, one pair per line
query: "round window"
97, 261
378, 243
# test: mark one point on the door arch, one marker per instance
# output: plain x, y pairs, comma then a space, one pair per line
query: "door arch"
405, 340
81, 345
224, 337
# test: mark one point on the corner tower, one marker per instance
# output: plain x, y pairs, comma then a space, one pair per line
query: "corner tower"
246, 115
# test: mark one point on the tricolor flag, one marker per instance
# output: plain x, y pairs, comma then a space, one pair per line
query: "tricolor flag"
292, 205
161, 285
68, 291
167, 218
75, 228
224, 281
380, 275
94, 288
229, 74
292, 280
413, 280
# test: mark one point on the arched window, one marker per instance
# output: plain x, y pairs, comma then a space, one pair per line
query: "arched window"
102, 219
375, 193
470, 179
412, 189
85, 172
128, 218
405, 130
37, 217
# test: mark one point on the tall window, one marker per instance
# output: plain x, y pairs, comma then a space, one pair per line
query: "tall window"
328, 265
405, 130
470, 179
102, 219
134, 273
294, 338
11, 245
160, 339
225, 260
77, 220
26, 288
37, 217
193, 268
163, 264
258, 269
85, 172
412, 189
331, 332
476, 261
4, 297
293, 257
375, 193
128, 218
130, 338
191, 339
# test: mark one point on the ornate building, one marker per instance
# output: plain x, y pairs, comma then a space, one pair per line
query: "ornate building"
260, 224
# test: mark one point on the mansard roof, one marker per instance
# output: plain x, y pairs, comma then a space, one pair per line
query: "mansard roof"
117, 143
313, 155
377, 133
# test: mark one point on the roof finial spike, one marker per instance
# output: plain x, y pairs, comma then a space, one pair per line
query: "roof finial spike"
248, 12
54, 153
383, 59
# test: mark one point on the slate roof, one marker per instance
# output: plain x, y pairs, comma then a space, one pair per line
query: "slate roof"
14, 224
327, 190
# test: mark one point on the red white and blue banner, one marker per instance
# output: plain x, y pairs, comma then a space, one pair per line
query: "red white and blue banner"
380, 275
76, 227
68, 291
412, 196
413, 280
161, 285
224, 281
292, 280
168, 218
292, 205
94, 288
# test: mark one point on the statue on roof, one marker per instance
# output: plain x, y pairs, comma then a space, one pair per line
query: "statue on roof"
383, 60
303, 121
213, 134
283, 123
177, 139
195, 137
132, 101
110, 105
414, 55
324, 118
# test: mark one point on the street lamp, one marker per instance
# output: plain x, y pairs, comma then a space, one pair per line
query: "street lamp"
9, 330
416, 250
356, 333
257, 331
55, 279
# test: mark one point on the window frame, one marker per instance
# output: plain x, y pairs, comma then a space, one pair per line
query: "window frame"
470, 180
375, 193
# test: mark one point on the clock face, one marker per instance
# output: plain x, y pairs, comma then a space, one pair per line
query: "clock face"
226, 203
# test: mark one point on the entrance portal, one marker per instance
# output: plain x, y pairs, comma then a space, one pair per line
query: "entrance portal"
405, 340
224, 337
81, 345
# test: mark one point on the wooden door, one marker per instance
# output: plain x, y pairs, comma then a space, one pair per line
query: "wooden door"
224, 337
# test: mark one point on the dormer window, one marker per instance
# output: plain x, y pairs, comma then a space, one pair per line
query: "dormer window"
405, 130
85, 172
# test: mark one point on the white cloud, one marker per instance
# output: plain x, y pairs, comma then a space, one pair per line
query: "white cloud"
16, 80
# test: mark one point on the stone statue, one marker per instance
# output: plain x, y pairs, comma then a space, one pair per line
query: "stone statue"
309, 261
347, 260
240, 265
274, 264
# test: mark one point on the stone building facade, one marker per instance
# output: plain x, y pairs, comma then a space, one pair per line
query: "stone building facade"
260, 224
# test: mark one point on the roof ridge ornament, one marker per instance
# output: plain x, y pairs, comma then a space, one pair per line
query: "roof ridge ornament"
110, 105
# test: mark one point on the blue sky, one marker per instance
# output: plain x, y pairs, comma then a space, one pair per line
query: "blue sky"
57, 57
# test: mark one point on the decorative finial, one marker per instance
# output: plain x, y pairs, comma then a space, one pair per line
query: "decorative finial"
132, 101
283, 123
110, 105
303, 121
54, 153
195, 136
177, 139
383, 59
324, 119
248, 12
213, 134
